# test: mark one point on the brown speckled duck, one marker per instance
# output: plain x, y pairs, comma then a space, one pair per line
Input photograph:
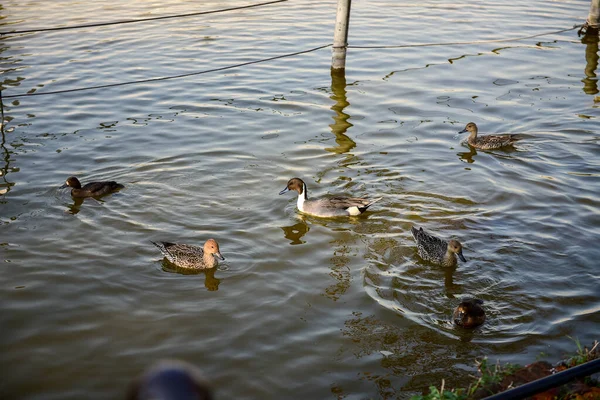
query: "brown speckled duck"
191, 257
436, 250
469, 313
488, 142
92, 189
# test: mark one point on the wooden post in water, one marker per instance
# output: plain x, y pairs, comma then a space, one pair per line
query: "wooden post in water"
593, 19
340, 36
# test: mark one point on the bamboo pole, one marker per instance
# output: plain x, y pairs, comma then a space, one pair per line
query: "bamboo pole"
340, 36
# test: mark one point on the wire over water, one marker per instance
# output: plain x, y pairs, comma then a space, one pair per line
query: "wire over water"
460, 43
164, 78
131, 21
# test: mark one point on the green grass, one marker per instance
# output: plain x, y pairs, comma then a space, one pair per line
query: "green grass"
492, 375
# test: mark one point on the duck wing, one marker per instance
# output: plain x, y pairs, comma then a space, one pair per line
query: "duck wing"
98, 188
423, 237
176, 253
429, 247
348, 202
496, 141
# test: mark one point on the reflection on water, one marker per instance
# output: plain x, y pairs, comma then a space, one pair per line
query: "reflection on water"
295, 232
341, 124
210, 281
417, 357
76, 206
5, 168
468, 156
340, 272
590, 82
451, 287
466, 335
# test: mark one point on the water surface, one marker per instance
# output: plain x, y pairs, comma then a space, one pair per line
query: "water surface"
303, 307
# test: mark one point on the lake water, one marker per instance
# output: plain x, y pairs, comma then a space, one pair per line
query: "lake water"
302, 308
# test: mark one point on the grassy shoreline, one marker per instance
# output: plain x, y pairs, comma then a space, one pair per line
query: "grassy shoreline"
498, 378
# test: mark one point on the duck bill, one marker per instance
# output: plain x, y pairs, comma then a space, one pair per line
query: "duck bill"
462, 258
219, 256
463, 131
64, 186
284, 191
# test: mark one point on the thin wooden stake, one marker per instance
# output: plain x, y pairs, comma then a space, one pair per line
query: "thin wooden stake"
340, 36
593, 19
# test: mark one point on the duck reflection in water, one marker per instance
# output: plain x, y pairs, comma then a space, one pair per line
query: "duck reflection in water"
74, 208
210, 282
295, 232
451, 287
468, 156
170, 380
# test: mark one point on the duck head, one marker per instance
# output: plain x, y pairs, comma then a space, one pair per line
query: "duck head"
296, 184
469, 313
455, 247
471, 128
212, 247
72, 182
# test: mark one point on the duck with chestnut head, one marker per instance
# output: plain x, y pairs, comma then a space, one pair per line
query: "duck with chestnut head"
327, 206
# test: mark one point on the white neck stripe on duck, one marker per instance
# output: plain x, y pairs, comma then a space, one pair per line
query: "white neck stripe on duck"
302, 197
209, 260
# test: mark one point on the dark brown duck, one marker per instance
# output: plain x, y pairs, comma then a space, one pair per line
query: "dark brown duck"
92, 189
469, 313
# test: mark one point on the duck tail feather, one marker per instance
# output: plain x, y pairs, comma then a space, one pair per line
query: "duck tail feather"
162, 246
414, 231
373, 201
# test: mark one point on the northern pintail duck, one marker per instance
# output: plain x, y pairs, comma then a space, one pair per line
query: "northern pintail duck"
170, 380
436, 250
469, 313
92, 189
488, 142
327, 206
192, 257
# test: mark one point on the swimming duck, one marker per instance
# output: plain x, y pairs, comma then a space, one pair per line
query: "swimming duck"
92, 189
330, 206
436, 250
488, 142
469, 313
193, 257
170, 380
